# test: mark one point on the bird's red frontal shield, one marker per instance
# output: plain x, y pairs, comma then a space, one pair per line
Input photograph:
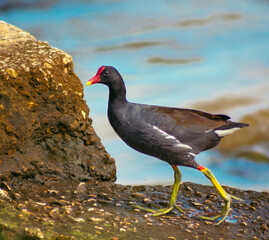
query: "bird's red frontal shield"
96, 78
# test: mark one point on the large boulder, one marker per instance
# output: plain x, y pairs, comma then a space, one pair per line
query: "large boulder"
45, 131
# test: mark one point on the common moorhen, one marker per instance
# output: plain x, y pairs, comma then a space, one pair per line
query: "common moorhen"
174, 135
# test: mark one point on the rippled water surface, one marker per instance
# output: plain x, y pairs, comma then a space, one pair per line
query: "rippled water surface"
173, 53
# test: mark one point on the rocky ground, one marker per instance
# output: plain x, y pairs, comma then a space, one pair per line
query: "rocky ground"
94, 210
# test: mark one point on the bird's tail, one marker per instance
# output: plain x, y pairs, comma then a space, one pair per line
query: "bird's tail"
229, 128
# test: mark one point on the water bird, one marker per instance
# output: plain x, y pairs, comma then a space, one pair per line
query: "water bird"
174, 135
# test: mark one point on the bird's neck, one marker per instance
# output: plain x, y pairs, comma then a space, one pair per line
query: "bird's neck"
117, 93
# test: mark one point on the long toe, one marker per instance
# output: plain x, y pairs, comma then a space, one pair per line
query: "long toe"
237, 198
210, 218
160, 211
155, 212
225, 211
145, 209
178, 208
221, 218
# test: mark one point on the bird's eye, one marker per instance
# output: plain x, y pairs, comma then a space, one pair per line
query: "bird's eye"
105, 72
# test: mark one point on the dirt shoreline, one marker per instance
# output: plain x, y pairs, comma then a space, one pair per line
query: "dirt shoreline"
94, 210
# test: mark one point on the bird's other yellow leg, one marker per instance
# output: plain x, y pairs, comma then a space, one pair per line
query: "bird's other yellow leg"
172, 202
225, 196
173, 199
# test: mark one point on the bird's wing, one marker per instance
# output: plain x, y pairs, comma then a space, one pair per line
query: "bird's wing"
185, 124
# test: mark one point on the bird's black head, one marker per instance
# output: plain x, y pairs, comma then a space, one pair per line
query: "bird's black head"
106, 75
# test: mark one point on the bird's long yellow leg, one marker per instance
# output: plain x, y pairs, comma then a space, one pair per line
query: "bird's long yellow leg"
225, 196
172, 202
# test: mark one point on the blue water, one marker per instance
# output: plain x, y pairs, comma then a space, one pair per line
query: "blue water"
169, 52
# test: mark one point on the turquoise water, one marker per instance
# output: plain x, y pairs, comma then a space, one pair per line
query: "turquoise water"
169, 52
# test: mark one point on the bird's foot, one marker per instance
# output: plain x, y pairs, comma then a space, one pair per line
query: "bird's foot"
160, 211
237, 198
214, 218
225, 211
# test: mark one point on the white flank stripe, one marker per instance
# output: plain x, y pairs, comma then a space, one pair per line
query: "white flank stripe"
222, 133
168, 136
162, 132
208, 130
182, 145
192, 154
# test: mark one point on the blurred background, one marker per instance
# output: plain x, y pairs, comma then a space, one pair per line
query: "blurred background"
209, 55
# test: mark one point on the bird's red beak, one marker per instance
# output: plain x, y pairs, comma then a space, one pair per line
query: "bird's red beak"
96, 78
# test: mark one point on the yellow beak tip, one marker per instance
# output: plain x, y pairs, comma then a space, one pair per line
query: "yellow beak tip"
89, 83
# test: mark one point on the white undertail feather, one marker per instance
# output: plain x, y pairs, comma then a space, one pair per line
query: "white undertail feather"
222, 133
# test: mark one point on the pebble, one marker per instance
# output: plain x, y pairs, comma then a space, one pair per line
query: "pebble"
244, 224
213, 197
138, 195
40, 203
196, 204
25, 211
254, 203
106, 214
117, 218
79, 220
52, 192
92, 196
188, 188
191, 225
4, 194
99, 228
34, 233
207, 201
54, 212
81, 188
139, 188
209, 222
91, 201
95, 219
264, 226
198, 194
67, 209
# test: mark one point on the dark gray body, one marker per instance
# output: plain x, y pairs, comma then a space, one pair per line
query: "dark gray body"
141, 126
